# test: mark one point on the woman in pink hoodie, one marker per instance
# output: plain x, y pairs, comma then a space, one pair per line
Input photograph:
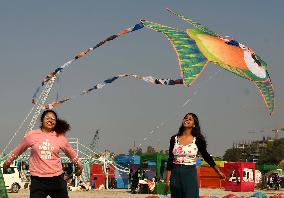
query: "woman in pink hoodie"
45, 163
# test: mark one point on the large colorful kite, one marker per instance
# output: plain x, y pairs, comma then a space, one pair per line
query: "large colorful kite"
195, 48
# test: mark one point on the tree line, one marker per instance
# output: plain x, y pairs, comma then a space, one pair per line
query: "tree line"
149, 150
263, 152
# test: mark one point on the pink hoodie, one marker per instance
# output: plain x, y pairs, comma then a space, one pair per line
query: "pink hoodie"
45, 159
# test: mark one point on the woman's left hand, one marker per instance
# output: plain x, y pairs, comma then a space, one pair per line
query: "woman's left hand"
219, 172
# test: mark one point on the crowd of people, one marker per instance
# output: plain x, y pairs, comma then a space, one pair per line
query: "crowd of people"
273, 181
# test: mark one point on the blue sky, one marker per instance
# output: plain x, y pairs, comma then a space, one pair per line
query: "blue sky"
39, 36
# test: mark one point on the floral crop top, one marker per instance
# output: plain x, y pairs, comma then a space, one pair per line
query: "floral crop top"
185, 154
180, 154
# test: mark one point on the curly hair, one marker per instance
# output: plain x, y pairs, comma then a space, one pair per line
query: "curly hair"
61, 126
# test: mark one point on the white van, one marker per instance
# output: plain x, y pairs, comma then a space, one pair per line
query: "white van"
12, 179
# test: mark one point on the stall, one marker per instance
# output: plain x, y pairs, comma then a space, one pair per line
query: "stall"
130, 161
240, 176
154, 166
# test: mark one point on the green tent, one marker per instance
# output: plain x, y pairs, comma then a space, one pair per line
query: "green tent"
160, 161
264, 168
3, 191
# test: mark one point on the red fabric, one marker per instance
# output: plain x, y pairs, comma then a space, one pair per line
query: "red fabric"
281, 195
230, 196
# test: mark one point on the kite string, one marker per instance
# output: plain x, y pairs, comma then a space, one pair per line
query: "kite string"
20, 127
183, 105
41, 102
16, 132
42, 98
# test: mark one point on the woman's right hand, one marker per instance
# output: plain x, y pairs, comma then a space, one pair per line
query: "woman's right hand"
166, 189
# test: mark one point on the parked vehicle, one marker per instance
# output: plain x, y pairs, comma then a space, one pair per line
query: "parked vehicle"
12, 179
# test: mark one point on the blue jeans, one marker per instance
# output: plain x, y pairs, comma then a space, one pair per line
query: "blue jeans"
184, 182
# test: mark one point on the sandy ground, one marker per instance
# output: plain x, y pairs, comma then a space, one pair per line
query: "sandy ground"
125, 193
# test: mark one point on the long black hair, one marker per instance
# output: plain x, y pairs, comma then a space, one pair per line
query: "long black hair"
61, 126
196, 131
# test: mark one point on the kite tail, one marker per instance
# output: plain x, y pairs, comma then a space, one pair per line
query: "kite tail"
148, 79
83, 53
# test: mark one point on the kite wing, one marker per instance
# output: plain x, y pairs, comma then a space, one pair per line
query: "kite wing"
190, 59
234, 57
267, 92
194, 23
264, 87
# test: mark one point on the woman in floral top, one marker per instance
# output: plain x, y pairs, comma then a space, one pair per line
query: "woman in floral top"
181, 168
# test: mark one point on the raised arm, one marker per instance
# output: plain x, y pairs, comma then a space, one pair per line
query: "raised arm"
22, 147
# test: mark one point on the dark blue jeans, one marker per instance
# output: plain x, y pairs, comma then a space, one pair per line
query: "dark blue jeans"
184, 182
